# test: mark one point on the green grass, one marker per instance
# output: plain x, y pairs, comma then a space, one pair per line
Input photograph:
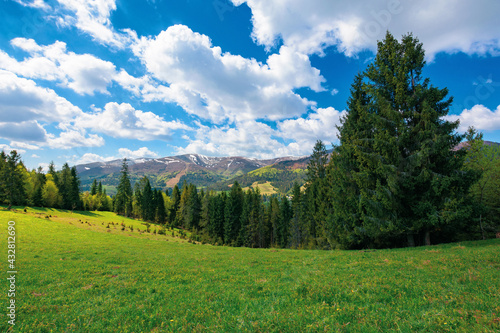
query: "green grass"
82, 278
264, 188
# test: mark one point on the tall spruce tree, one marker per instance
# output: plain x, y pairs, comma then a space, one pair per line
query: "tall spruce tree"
232, 213
123, 197
176, 199
316, 187
93, 188
74, 190
395, 171
297, 230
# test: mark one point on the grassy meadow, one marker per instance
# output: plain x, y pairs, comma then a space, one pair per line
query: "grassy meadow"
77, 275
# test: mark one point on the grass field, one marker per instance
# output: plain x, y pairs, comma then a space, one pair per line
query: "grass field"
85, 277
264, 188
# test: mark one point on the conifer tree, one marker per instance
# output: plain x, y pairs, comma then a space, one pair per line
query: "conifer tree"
160, 213
123, 197
316, 198
75, 190
193, 208
285, 214
395, 171
232, 213
297, 232
147, 203
93, 188
274, 220
176, 199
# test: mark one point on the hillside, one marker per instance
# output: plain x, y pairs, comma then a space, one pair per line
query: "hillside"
77, 275
167, 171
275, 178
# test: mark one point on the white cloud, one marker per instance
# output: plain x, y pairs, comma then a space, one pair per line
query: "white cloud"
26, 108
86, 158
248, 138
334, 91
218, 86
319, 125
479, 116
312, 26
139, 153
83, 73
92, 17
22, 100
7, 149
34, 4
74, 137
28, 131
90, 158
24, 145
123, 121
35, 156
45, 167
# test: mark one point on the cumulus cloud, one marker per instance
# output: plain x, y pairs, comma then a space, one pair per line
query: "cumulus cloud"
218, 86
22, 100
248, 138
25, 108
123, 121
83, 73
73, 138
29, 131
92, 17
90, 158
312, 26
87, 158
319, 125
7, 149
143, 152
479, 116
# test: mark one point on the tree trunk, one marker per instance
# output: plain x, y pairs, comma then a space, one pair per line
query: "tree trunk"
427, 238
411, 240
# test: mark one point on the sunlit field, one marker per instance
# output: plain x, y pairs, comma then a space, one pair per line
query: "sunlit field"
90, 272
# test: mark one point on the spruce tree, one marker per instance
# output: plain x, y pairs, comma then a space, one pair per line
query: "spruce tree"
74, 191
232, 214
285, 214
93, 188
160, 213
316, 191
395, 171
297, 230
123, 197
176, 199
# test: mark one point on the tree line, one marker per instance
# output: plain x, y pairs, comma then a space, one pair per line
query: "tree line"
18, 186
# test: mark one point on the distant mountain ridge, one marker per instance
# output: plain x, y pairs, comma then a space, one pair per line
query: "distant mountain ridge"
165, 172
216, 173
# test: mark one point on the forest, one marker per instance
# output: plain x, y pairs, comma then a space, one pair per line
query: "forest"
396, 178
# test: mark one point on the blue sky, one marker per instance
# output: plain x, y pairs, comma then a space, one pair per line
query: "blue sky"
85, 81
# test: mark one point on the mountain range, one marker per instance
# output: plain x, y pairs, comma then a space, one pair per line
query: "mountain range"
272, 176
216, 173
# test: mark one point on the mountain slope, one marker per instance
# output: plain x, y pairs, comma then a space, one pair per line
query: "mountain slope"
280, 176
167, 171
